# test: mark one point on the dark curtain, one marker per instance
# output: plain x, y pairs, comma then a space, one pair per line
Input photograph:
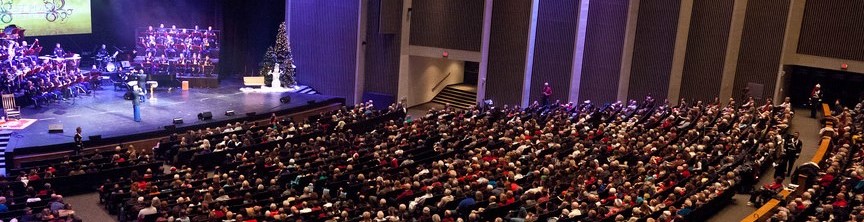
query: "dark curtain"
249, 28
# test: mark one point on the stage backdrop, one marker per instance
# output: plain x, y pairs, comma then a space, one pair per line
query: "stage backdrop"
48, 17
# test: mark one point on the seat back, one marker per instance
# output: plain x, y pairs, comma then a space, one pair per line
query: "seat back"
9, 101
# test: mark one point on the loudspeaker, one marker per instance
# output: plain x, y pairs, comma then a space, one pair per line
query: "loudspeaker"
170, 127
205, 116
251, 114
229, 113
286, 99
55, 128
96, 138
177, 120
124, 64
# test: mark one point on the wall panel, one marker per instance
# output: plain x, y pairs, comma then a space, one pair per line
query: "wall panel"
382, 54
450, 24
706, 49
553, 49
653, 48
324, 44
832, 28
508, 44
761, 46
604, 43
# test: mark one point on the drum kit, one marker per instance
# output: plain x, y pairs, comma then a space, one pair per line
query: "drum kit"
108, 63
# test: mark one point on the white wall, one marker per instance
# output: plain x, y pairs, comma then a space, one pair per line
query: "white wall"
424, 73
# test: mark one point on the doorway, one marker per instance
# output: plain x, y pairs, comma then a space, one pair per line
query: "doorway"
836, 84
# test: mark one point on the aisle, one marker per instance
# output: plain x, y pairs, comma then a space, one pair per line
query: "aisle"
87, 207
809, 129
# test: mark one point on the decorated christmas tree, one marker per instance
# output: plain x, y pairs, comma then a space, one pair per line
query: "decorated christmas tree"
279, 54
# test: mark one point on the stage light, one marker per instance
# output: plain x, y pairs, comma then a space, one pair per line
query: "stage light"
178, 120
229, 113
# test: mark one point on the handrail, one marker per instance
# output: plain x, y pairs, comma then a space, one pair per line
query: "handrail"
439, 82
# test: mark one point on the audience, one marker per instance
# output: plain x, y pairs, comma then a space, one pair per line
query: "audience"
621, 161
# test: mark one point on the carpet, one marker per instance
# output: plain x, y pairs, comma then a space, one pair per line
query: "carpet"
17, 124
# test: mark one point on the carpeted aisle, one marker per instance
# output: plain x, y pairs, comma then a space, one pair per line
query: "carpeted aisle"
87, 207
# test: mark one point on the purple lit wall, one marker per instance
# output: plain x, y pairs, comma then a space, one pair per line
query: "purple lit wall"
604, 42
382, 54
706, 49
508, 44
653, 48
553, 50
324, 43
761, 45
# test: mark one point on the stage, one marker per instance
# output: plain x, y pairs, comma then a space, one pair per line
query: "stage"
106, 113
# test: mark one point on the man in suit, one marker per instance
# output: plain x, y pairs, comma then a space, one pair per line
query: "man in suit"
791, 152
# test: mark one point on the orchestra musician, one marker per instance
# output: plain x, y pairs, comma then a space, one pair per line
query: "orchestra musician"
102, 56
58, 51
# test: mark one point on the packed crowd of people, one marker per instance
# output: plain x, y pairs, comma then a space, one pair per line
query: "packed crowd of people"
834, 190
569, 162
618, 162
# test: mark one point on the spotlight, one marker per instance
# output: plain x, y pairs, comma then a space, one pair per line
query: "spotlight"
178, 120
229, 113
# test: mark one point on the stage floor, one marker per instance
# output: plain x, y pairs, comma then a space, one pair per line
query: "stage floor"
106, 113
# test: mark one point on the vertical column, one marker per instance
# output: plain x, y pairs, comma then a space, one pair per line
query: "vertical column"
484, 51
404, 53
790, 44
733, 47
680, 50
627, 54
360, 69
579, 51
529, 54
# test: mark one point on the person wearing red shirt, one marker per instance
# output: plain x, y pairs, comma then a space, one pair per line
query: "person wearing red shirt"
547, 92
840, 201
768, 190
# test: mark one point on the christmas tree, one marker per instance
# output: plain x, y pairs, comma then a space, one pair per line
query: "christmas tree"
279, 54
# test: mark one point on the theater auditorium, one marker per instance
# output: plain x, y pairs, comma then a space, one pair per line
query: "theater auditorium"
431, 110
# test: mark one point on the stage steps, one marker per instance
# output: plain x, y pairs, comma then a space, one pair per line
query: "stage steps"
4, 141
307, 90
460, 96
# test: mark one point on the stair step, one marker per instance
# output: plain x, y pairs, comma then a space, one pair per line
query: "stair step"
451, 102
457, 98
456, 95
457, 91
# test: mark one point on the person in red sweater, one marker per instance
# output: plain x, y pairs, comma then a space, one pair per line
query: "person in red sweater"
840, 201
768, 190
547, 92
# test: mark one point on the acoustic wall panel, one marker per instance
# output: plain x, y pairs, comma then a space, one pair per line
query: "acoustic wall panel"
604, 44
706, 49
653, 49
508, 42
553, 48
761, 46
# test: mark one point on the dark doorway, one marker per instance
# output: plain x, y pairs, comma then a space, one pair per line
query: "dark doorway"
472, 73
848, 87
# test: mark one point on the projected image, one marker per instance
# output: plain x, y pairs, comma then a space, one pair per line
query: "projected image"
47, 17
